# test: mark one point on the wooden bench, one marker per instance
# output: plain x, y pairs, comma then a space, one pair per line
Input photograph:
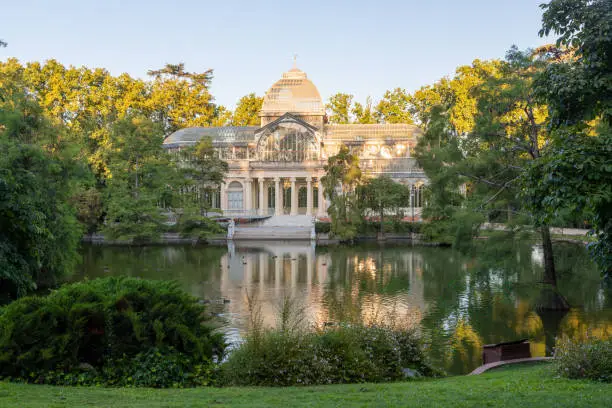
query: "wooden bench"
510, 350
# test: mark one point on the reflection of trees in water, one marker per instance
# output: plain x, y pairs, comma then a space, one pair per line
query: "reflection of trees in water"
490, 296
190, 266
578, 324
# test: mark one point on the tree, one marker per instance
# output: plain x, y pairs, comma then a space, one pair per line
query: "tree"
447, 110
203, 174
222, 116
180, 99
339, 108
510, 128
39, 233
342, 176
510, 131
394, 107
576, 175
363, 113
456, 95
382, 194
578, 89
140, 176
247, 111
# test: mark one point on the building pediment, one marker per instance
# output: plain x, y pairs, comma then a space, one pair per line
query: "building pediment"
289, 121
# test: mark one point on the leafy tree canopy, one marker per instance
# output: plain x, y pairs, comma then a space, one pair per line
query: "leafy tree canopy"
39, 233
247, 111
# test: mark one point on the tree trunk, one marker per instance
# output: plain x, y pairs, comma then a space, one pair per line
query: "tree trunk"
550, 275
550, 298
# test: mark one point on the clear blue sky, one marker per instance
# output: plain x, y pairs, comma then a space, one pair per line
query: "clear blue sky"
359, 47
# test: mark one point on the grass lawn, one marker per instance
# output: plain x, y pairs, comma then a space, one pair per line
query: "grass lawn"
513, 386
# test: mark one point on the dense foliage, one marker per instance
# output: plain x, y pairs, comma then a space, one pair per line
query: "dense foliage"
81, 151
372, 227
342, 176
124, 330
382, 197
576, 175
589, 358
39, 231
395, 106
333, 355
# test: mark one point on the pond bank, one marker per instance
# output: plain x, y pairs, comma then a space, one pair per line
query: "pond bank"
322, 239
524, 385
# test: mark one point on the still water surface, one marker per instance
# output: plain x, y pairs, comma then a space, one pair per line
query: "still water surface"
459, 302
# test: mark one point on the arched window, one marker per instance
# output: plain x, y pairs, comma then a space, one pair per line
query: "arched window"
234, 196
287, 144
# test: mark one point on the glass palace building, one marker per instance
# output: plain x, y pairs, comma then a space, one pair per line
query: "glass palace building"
275, 168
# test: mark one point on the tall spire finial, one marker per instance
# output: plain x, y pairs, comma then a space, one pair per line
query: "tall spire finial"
295, 60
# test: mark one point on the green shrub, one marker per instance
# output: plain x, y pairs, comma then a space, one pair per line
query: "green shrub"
392, 226
102, 324
334, 355
157, 368
322, 227
590, 358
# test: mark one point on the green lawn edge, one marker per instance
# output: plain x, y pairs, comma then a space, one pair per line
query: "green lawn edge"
526, 385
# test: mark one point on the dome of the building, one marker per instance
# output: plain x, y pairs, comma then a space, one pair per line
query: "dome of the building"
293, 93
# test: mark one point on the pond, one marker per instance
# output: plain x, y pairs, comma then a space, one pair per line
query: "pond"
459, 302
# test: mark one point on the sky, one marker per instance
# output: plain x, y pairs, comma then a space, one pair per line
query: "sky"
358, 47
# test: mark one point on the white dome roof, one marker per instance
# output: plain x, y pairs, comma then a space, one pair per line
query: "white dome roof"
293, 93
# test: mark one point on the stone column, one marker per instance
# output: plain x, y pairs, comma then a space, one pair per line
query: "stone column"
266, 204
278, 205
248, 195
262, 208
294, 203
321, 211
223, 197
309, 196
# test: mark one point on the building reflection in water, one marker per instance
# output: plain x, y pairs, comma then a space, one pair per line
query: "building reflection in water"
329, 288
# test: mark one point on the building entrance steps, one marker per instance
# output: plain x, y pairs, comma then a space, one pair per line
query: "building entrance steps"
277, 227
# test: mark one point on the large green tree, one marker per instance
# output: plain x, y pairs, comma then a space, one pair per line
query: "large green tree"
39, 232
394, 107
382, 194
342, 176
141, 173
339, 108
180, 99
364, 113
247, 111
577, 86
502, 138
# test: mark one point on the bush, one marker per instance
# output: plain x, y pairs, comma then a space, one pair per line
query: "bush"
392, 226
157, 368
334, 355
106, 324
322, 227
590, 358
